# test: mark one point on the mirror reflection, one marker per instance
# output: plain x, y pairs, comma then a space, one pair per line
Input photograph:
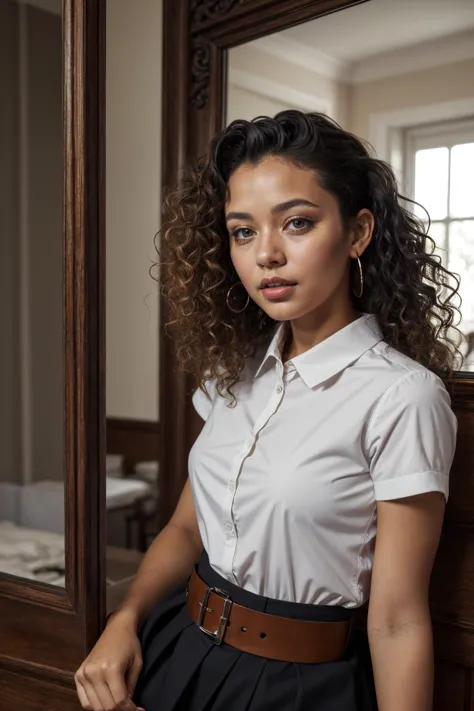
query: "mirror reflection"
133, 205
31, 466
403, 84
31, 402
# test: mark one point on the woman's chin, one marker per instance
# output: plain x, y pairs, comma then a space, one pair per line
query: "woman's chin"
281, 311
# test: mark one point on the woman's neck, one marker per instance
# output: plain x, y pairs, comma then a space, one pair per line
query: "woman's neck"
300, 337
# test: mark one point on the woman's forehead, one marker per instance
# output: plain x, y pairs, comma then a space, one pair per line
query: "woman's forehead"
271, 181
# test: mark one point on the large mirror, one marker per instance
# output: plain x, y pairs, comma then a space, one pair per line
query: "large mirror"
133, 210
32, 510
52, 392
31, 291
400, 75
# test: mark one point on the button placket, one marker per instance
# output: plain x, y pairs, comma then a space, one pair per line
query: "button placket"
231, 538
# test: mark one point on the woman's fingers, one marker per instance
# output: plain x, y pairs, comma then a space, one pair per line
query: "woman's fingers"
106, 680
103, 689
83, 700
106, 698
92, 700
120, 693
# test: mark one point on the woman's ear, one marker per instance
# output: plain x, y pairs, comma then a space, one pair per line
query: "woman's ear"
361, 232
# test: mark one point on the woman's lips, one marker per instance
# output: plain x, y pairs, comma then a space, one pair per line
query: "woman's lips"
278, 292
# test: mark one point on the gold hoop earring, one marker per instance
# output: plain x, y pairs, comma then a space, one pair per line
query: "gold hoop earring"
236, 311
361, 281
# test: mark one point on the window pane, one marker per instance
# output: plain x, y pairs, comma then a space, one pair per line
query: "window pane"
461, 261
461, 198
438, 233
431, 182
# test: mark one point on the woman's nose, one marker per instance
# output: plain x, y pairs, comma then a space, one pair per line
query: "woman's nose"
270, 250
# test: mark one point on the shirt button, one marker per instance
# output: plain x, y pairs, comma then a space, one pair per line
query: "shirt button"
229, 527
280, 389
231, 486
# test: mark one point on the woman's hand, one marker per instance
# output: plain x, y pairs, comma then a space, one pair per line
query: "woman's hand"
106, 679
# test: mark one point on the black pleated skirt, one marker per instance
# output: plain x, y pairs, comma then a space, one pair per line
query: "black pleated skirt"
183, 670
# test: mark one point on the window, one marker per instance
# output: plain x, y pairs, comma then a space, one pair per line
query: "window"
439, 174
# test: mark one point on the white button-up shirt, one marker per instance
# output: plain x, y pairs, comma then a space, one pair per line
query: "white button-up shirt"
285, 483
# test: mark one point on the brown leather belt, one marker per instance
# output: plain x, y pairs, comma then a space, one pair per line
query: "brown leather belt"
269, 636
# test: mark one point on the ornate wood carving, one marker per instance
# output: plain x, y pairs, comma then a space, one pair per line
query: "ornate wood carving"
204, 10
200, 71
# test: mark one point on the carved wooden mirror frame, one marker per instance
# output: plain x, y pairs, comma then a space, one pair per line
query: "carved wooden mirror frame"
46, 630
197, 37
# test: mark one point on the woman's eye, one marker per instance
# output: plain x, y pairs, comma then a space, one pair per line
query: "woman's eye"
300, 223
242, 234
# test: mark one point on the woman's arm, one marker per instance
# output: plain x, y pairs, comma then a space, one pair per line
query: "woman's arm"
399, 624
167, 563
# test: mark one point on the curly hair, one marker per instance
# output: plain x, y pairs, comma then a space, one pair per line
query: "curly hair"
405, 284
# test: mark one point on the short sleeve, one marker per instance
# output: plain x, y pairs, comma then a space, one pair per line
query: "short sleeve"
202, 403
412, 438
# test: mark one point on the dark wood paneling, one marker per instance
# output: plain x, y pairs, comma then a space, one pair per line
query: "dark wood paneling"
49, 638
461, 498
452, 585
452, 595
12, 588
135, 440
452, 687
26, 692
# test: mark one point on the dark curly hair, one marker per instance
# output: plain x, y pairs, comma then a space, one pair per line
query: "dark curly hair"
405, 285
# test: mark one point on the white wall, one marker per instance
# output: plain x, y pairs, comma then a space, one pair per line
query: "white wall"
31, 402
244, 104
437, 85
45, 244
134, 45
276, 80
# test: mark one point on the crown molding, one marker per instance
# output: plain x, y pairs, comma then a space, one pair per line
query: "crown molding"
416, 57
303, 56
404, 60
275, 90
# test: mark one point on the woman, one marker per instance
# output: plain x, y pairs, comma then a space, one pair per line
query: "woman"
316, 321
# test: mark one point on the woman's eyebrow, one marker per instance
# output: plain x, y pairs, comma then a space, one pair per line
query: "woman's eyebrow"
281, 207
289, 204
238, 216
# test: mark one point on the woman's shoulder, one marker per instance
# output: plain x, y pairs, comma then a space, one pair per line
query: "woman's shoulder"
399, 367
408, 390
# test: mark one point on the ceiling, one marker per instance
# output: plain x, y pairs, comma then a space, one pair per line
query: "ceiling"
382, 25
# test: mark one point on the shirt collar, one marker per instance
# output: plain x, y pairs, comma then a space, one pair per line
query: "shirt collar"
331, 355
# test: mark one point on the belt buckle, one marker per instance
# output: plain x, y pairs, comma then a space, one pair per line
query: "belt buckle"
218, 635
